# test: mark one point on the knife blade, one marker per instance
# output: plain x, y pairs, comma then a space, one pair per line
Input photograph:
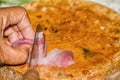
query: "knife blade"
33, 56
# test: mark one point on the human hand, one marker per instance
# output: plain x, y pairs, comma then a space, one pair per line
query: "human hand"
14, 24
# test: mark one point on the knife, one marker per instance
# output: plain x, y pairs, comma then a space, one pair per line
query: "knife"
33, 56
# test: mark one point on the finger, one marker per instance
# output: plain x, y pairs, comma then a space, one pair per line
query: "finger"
19, 16
26, 28
27, 33
20, 36
12, 35
14, 16
14, 56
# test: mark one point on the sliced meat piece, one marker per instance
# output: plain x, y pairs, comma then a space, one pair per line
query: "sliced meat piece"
39, 49
56, 57
40, 45
59, 58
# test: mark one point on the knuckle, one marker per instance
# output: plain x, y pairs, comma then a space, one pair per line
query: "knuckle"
22, 9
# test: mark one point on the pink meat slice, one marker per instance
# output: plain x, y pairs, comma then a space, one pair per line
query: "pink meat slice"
39, 49
41, 45
56, 57
59, 58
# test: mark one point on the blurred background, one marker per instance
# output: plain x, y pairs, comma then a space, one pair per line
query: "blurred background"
114, 4
15, 2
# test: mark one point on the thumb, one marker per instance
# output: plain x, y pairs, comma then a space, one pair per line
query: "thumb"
13, 56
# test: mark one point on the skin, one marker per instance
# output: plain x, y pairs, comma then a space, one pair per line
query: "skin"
15, 25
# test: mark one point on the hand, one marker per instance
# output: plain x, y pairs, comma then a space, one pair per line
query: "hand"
14, 24
31, 74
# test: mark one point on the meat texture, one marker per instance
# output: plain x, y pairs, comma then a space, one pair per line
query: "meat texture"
56, 57
59, 58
